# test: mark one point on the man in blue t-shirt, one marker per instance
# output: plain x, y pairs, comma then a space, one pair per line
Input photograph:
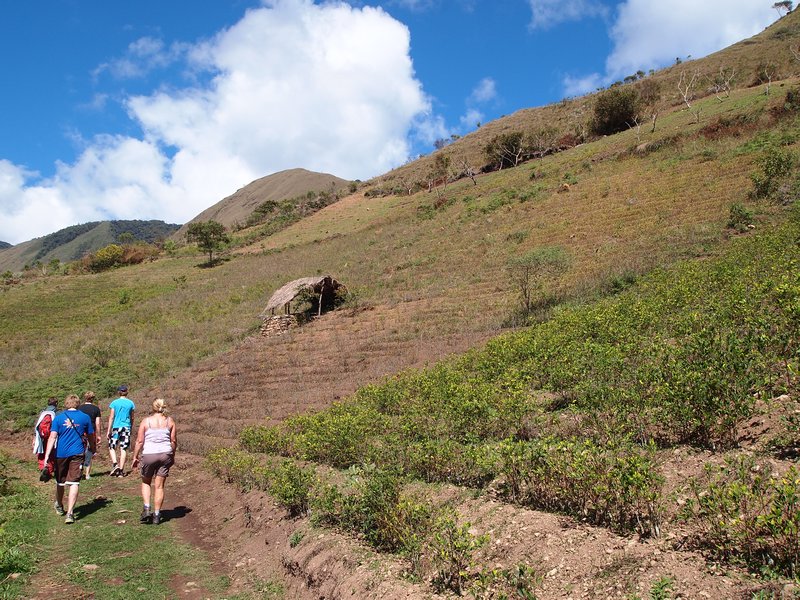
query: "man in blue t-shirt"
120, 424
72, 430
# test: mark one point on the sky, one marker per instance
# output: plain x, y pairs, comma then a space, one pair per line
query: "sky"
156, 109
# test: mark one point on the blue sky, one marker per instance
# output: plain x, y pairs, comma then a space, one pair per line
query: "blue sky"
158, 109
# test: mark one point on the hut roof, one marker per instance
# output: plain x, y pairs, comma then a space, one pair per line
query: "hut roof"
289, 291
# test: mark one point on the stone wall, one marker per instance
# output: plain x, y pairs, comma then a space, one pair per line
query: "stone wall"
278, 325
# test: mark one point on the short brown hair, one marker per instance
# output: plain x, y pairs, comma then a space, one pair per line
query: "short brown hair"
72, 401
88, 397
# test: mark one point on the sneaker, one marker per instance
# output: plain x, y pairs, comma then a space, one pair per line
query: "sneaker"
70, 519
59, 509
120, 473
146, 516
114, 471
156, 518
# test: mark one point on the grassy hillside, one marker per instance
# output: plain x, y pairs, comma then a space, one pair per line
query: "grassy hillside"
645, 418
624, 212
285, 185
74, 242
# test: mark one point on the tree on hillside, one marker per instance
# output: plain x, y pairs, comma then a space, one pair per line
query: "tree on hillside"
210, 237
615, 110
530, 271
505, 150
783, 7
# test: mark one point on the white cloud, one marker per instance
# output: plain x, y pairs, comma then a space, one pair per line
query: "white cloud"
649, 34
578, 86
327, 87
485, 91
143, 56
548, 13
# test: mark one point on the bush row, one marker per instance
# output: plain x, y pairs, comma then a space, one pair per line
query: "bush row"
372, 504
750, 514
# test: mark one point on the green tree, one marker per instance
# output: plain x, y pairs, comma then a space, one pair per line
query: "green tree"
529, 272
506, 149
210, 237
615, 110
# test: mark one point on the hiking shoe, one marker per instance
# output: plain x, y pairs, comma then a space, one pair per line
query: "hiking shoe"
59, 509
70, 519
114, 470
146, 516
156, 518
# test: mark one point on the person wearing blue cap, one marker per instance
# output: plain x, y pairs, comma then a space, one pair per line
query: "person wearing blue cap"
120, 424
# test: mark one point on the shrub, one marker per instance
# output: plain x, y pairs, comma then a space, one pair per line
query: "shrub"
614, 110
739, 217
775, 166
291, 485
505, 150
106, 258
453, 553
748, 513
613, 485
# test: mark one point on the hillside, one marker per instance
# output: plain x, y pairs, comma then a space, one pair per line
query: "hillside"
71, 243
237, 207
4, 245
400, 447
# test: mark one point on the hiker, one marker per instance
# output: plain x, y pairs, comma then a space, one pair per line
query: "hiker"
120, 424
93, 412
156, 442
71, 431
41, 431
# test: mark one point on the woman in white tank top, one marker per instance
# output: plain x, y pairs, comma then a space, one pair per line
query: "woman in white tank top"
155, 448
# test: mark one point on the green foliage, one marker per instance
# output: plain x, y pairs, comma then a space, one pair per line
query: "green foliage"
614, 110
748, 513
661, 589
296, 538
291, 486
106, 258
505, 150
740, 217
210, 237
454, 548
776, 166
614, 484
518, 582
532, 270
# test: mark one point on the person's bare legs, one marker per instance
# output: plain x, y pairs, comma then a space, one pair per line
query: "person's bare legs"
146, 491
122, 455
113, 454
60, 495
158, 493
72, 498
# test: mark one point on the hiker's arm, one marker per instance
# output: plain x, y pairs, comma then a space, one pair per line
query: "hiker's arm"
110, 421
92, 439
139, 443
173, 436
51, 442
97, 427
133, 417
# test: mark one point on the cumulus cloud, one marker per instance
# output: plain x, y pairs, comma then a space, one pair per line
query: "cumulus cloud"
650, 35
548, 13
327, 87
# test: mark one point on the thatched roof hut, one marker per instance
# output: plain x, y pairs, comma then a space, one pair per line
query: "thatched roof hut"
323, 286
